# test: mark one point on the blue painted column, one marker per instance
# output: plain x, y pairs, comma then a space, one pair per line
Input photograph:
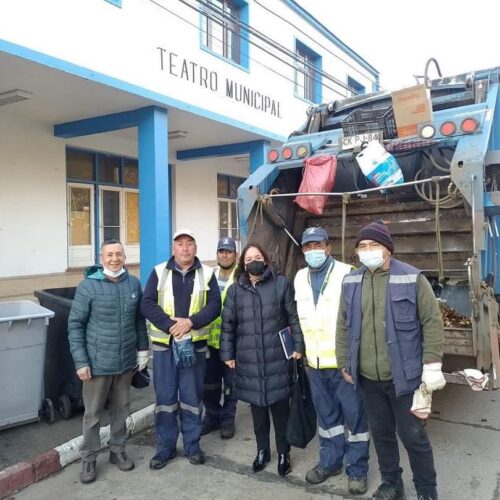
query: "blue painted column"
258, 154
155, 213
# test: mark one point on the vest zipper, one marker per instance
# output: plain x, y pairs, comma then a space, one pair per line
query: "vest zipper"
374, 328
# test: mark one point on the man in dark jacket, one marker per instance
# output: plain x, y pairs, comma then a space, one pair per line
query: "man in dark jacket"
390, 341
181, 299
108, 339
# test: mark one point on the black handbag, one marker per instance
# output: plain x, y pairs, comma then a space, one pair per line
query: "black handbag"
301, 427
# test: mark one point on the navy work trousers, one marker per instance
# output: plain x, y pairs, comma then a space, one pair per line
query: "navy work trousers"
337, 405
217, 414
178, 394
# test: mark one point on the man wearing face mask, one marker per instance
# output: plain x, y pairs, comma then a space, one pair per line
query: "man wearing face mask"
108, 339
317, 293
389, 342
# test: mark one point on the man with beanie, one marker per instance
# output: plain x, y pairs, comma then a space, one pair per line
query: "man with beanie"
217, 415
317, 293
390, 341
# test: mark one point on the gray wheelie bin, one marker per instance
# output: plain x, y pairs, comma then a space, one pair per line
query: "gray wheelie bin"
23, 336
62, 386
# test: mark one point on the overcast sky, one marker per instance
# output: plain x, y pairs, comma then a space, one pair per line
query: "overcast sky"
397, 37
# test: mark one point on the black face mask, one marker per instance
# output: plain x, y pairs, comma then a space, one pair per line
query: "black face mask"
256, 267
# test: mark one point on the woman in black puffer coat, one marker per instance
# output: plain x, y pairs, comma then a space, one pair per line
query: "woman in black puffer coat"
258, 305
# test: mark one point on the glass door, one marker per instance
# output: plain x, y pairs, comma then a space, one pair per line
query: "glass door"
110, 213
80, 225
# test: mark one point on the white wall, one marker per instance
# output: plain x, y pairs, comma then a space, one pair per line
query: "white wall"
195, 197
124, 45
33, 216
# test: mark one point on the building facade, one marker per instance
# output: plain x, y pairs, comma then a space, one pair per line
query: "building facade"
131, 118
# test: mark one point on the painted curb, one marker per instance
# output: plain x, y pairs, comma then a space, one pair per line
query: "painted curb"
30, 471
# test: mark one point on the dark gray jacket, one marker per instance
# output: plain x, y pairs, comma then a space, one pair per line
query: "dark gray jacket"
106, 327
251, 319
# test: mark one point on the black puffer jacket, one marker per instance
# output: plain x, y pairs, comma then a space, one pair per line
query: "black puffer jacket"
251, 319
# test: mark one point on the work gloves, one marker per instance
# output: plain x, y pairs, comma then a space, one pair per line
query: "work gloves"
432, 380
142, 360
433, 377
184, 352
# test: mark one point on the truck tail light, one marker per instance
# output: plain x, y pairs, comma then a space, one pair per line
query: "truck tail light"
448, 128
427, 132
469, 125
273, 155
287, 153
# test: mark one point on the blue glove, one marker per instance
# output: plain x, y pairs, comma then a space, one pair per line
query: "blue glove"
184, 353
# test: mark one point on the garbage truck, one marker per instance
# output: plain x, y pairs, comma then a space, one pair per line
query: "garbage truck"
444, 217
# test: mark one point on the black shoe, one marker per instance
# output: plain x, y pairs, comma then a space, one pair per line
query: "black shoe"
284, 467
197, 458
158, 462
88, 474
227, 431
260, 462
390, 491
121, 459
208, 427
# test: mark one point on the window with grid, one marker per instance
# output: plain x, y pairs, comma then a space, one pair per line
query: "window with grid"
308, 74
221, 28
227, 192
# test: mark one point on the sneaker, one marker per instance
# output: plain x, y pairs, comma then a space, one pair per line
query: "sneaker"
317, 474
89, 474
227, 431
121, 459
357, 485
208, 427
390, 491
197, 458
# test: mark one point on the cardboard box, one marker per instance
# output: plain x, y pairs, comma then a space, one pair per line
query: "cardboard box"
411, 107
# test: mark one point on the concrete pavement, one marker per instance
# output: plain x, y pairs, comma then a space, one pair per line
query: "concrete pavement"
465, 432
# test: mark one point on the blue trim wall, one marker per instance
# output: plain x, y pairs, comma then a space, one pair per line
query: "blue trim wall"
88, 74
252, 147
318, 81
328, 34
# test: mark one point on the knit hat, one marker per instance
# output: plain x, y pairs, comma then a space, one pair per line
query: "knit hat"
376, 231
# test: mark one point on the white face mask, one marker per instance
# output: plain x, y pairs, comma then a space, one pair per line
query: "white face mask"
113, 274
372, 259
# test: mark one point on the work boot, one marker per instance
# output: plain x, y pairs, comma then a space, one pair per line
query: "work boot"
428, 496
197, 458
357, 485
121, 459
227, 431
390, 491
89, 474
318, 475
208, 427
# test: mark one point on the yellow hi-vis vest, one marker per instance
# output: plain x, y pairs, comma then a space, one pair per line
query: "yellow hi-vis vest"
318, 322
166, 300
215, 326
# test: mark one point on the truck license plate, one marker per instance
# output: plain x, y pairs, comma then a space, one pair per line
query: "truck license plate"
353, 141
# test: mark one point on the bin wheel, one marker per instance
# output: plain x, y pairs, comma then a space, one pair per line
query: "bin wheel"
64, 406
48, 411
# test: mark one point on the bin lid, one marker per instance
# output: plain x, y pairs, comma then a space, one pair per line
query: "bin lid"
23, 310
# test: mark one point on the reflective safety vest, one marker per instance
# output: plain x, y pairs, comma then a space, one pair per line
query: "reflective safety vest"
215, 326
318, 322
166, 300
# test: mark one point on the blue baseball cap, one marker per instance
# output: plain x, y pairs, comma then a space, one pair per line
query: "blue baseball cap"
314, 234
226, 244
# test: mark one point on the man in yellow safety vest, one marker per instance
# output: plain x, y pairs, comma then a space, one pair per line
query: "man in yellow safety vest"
180, 300
217, 415
317, 292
